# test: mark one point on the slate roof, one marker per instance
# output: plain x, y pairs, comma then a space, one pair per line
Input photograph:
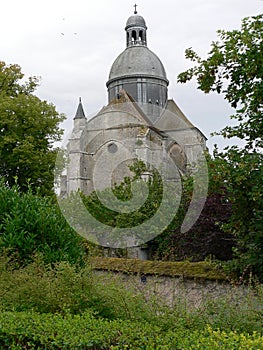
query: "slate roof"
80, 111
135, 20
137, 61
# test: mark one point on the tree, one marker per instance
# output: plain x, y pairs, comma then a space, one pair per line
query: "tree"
242, 172
234, 67
29, 128
206, 238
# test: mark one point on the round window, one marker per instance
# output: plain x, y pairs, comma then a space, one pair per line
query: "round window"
112, 148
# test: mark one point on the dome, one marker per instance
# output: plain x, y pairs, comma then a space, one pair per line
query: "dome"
135, 20
137, 61
138, 71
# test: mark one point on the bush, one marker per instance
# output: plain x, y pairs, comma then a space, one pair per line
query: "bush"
30, 224
34, 331
64, 288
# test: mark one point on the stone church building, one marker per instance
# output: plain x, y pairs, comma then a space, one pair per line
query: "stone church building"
139, 122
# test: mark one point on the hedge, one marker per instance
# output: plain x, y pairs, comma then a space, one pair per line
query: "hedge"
28, 330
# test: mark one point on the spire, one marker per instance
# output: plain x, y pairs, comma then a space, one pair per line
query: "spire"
80, 111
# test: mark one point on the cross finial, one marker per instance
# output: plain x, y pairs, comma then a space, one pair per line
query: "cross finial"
135, 11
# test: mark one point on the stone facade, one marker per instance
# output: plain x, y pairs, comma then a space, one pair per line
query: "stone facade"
116, 136
119, 136
139, 122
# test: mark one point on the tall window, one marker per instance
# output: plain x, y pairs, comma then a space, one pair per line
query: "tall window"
134, 36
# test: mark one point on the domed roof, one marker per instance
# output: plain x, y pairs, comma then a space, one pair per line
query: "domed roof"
135, 20
137, 60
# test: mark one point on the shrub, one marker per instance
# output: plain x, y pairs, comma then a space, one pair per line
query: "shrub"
34, 331
64, 288
30, 224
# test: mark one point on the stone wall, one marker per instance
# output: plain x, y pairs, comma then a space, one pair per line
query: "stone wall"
174, 290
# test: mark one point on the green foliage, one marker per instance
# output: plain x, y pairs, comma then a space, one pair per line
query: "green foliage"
123, 192
30, 331
64, 288
234, 68
30, 224
29, 128
242, 175
206, 238
62, 307
200, 242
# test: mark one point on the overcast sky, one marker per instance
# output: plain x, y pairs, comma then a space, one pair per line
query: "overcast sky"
72, 45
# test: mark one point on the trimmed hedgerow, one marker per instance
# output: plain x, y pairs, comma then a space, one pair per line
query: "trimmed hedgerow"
28, 330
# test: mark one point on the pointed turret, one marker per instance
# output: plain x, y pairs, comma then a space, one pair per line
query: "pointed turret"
80, 111
79, 119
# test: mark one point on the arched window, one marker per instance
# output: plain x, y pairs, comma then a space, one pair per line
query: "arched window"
141, 35
178, 155
134, 36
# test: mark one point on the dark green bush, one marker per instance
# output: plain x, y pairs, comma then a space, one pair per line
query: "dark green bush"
30, 224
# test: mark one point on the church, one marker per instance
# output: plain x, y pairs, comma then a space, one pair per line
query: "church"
139, 122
